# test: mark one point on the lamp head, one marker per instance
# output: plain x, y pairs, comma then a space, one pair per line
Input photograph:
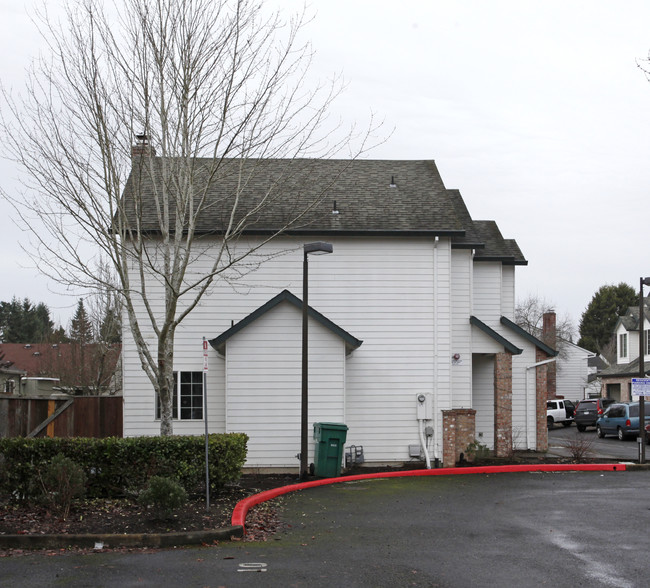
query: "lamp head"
321, 248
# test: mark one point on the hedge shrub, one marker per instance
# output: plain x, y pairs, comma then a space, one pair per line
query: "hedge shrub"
117, 467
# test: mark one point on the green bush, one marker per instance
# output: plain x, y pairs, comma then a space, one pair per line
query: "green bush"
61, 482
163, 494
117, 467
476, 451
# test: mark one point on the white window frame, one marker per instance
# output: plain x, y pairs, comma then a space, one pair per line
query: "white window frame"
622, 345
646, 348
188, 405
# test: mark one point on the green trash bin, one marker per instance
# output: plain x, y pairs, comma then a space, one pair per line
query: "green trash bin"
328, 454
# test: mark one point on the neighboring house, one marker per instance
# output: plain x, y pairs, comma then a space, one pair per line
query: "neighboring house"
617, 379
10, 378
417, 298
45, 368
597, 365
573, 371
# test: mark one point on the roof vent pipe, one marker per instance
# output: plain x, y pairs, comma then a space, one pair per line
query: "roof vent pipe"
392, 182
335, 210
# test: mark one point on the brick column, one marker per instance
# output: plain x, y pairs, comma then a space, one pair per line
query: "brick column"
541, 395
549, 336
458, 426
502, 404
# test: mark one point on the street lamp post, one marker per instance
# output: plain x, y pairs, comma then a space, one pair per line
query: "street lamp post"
318, 248
642, 282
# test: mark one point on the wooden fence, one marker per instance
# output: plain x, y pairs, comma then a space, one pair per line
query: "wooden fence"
75, 416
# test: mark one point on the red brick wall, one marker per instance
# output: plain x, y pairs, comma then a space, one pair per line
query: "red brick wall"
541, 395
549, 336
502, 404
459, 426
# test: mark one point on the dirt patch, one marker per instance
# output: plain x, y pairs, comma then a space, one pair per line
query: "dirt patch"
127, 516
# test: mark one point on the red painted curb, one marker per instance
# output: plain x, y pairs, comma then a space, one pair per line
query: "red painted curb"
243, 506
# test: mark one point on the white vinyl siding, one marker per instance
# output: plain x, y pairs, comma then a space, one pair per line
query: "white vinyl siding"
483, 398
572, 372
263, 384
381, 291
461, 369
408, 300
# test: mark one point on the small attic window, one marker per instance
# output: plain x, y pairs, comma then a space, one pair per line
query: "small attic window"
392, 182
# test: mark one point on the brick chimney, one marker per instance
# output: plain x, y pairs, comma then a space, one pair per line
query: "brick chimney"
142, 148
549, 336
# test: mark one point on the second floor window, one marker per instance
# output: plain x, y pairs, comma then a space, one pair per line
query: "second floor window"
622, 345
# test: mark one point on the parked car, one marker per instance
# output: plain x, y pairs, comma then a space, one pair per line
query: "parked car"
588, 410
621, 420
559, 411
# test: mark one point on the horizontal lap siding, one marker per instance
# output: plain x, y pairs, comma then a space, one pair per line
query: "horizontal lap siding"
379, 290
483, 398
264, 391
572, 372
461, 371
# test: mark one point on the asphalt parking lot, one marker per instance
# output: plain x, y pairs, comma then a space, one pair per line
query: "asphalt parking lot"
524, 529
560, 439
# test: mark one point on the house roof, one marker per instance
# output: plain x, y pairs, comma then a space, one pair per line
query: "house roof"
343, 197
624, 369
56, 360
500, 339
219, 342
630, 320
526, 335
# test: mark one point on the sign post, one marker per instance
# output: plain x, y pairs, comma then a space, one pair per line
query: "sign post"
641, 388
205, 418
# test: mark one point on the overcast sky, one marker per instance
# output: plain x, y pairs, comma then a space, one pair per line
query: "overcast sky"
536, 111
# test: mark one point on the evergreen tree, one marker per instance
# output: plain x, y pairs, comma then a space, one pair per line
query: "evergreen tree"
81, 329
599, 319
24, 322
110, 331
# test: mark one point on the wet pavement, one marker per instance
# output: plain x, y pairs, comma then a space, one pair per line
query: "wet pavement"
523, 529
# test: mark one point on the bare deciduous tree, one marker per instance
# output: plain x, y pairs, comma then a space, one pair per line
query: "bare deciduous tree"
215, 87
529, 315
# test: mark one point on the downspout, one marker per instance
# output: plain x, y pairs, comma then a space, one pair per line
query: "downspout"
530, 367
436, 426
423, 443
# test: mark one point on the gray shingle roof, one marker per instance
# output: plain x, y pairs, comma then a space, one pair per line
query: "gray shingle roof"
389, 197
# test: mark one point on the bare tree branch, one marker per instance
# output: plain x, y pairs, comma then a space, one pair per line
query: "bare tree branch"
217, 87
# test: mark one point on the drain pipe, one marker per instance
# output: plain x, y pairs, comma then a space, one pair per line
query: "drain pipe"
530, 367
436, 426
423, 444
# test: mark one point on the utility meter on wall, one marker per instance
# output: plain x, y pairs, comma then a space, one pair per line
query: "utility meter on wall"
424, 406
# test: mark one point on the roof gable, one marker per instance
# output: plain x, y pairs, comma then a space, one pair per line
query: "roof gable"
508, 346
219, 342
526, 335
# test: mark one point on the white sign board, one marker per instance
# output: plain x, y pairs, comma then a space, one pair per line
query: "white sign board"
205, 356
640, 386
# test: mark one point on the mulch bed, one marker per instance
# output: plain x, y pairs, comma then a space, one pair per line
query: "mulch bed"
100, 516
